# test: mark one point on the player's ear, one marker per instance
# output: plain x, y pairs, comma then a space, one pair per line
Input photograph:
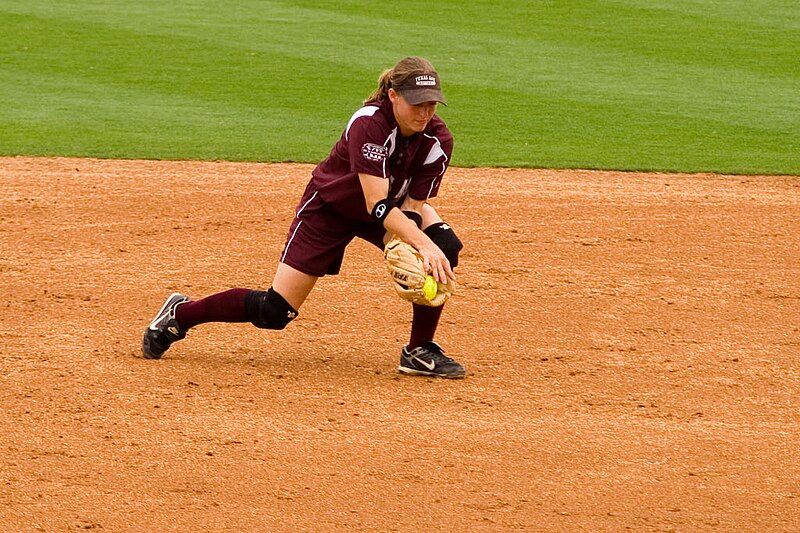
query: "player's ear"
393, 96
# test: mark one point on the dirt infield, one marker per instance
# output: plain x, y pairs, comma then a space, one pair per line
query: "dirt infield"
632, 343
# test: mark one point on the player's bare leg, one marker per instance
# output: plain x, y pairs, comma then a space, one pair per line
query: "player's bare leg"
292, 284
429, 216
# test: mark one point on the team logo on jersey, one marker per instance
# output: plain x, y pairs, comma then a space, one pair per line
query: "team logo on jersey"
374, 152
425, 80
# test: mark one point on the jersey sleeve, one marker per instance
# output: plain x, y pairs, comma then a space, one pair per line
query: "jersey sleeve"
368, 147
431, 168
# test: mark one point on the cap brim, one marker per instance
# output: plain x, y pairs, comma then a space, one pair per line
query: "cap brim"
419, 96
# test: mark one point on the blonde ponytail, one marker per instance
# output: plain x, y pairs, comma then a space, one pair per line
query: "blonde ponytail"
384, 82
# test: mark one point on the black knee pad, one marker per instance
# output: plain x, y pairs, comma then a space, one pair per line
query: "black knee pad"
445, 238
268, 309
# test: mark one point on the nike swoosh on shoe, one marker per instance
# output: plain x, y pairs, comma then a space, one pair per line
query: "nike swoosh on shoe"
429, 366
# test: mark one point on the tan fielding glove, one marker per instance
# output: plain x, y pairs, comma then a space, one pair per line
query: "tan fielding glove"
408, 275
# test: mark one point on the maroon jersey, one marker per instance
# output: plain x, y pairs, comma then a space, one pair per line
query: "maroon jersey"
372, 144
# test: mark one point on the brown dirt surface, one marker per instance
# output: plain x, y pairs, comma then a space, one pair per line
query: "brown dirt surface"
631, 340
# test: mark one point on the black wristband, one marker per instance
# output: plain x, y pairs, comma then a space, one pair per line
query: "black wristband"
381, 209
415, 217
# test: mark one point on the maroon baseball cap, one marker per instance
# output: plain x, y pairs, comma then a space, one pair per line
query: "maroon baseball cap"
419, 88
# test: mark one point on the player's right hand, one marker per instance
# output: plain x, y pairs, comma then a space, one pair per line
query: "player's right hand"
435, 262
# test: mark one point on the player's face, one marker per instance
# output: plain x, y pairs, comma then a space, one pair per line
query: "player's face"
411, 118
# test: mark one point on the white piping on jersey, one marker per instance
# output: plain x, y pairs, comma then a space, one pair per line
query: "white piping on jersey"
390, 141
433, 182
403, 189
366, 111
434, 155
286, 251
305, 204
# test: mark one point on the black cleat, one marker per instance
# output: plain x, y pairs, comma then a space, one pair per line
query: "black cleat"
164, 329
429, 360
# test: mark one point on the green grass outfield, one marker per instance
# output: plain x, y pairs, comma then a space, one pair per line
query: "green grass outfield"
679, 85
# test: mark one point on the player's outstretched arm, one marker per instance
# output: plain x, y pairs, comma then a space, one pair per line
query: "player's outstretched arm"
375, 191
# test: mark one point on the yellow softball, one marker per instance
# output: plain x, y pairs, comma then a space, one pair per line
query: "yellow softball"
430, 288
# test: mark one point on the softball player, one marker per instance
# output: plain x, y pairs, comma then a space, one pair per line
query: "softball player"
376, 182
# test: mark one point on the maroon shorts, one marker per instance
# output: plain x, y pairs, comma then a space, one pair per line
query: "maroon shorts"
319, 235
